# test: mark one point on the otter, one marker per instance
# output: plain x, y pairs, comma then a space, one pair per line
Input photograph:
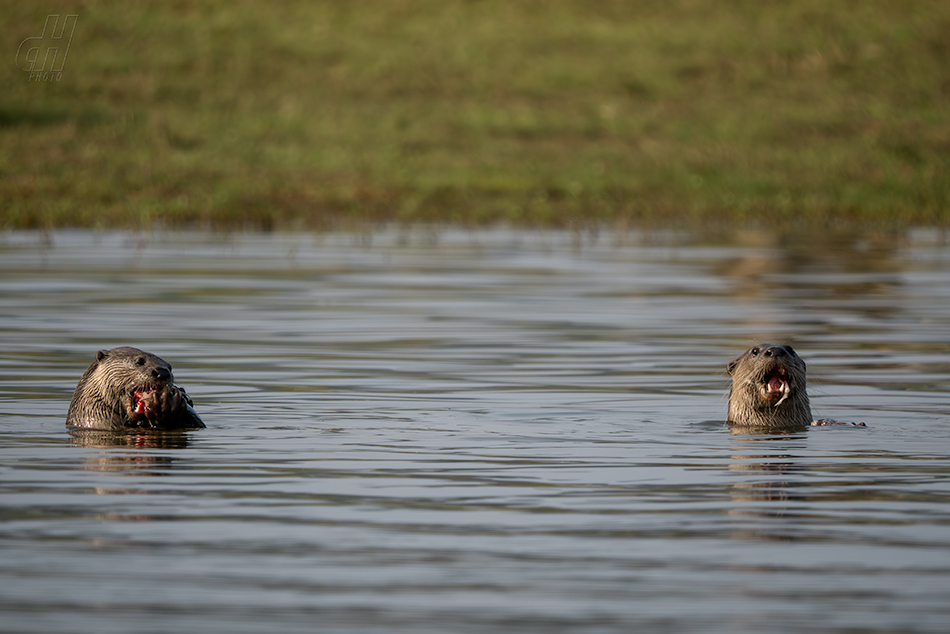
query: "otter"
768, 390
129, 389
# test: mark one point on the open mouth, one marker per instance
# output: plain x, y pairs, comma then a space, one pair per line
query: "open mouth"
775, 385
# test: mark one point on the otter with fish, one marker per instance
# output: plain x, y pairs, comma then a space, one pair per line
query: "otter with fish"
129, 389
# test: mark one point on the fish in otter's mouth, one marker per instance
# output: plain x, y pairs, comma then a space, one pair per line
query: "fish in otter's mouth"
775, 387
141, 400
145, 402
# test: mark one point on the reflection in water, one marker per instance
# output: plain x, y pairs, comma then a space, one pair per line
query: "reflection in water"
772, 482
129, 461
136, 439
819, 269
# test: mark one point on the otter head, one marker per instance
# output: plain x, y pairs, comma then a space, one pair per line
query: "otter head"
127, 388
124, 387
768, 388
134, 376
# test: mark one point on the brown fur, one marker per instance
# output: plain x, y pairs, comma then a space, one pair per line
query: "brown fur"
768, 388
126, 388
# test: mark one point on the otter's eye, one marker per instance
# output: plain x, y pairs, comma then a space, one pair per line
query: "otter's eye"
140, 361
789, 350
754, 351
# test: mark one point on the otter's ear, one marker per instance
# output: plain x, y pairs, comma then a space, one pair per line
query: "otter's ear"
102, 354
732, 366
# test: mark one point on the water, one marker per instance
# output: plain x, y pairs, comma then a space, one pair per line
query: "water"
493, 431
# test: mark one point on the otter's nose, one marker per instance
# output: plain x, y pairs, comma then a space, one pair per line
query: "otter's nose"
774, 351
162, 374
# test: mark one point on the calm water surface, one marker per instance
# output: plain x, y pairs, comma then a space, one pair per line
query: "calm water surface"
495, 431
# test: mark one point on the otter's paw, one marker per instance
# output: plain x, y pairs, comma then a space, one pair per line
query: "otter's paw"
184, 395
171, 402
830, 422
156, 406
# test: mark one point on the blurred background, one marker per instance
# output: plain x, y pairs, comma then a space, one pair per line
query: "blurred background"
330, 114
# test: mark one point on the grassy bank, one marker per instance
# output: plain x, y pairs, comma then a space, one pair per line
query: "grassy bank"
557, 112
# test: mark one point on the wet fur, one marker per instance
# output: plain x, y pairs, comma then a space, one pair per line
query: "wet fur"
749, 405
104, 396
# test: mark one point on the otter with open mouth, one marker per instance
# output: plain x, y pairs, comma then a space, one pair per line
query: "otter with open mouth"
768, 390
128, 389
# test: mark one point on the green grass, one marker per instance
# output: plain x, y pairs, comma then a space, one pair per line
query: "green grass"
316, 114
